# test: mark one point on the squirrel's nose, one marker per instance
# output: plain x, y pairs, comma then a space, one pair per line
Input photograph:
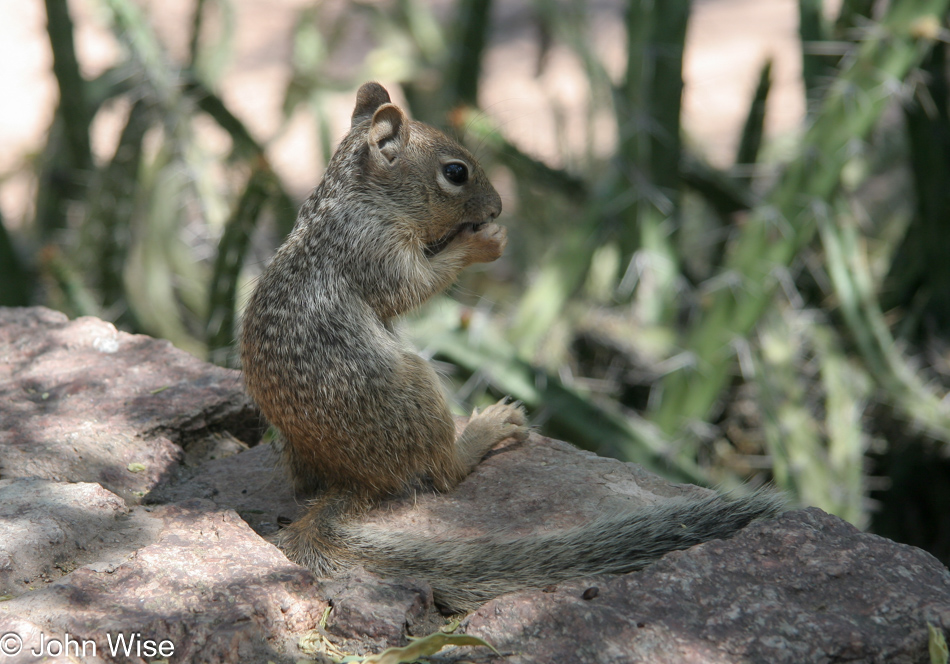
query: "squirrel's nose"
494, 205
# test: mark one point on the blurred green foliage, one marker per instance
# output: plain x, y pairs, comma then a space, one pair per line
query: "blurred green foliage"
782, 321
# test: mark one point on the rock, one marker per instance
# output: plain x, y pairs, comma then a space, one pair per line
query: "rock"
251, 483
207, 584
95, 422
512, 486
806, 587
524, 488
83, 402
371, 614
19, 639
47, 529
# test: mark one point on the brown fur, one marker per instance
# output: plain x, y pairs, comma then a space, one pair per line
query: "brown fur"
362, 416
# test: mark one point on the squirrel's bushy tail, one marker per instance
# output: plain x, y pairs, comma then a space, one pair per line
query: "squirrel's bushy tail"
466, 573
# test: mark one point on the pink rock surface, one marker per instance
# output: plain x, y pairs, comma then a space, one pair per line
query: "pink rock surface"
47, 527
79, 554
207, 584
84, 402
806, 587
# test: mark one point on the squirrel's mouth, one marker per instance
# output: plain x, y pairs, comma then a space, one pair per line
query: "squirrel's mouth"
433, 248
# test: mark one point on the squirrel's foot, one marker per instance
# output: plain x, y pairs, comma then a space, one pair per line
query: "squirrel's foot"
311, 540
491, 426
508, 418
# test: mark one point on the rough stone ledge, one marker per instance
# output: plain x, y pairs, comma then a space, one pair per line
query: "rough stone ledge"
207, 583
47, 529
80, 402
85, 402
806, 587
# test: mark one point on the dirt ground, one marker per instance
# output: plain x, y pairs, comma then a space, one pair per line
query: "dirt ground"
728, 41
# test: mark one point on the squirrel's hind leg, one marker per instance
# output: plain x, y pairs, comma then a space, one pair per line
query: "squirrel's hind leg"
313, 540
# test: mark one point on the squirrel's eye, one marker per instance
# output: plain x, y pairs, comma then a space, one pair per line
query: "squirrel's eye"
455, 173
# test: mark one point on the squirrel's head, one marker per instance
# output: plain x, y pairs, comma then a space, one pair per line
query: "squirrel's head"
433, 186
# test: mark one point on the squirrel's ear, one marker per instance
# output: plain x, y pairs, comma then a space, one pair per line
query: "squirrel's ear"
369, 97
389, 131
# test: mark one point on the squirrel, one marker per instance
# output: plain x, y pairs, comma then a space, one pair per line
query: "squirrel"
401, 210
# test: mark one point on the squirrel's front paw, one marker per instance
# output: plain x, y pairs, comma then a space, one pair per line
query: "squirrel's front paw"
487, 243
500, 421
